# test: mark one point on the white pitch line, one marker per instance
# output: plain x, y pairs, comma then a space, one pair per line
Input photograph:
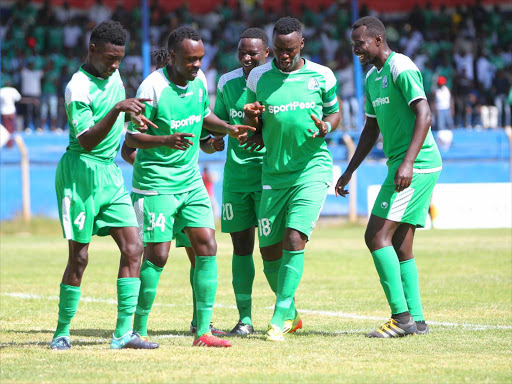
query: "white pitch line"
473, 327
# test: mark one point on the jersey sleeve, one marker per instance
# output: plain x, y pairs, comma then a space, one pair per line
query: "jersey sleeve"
368, 106
78, 108
410, 84
146, 91
329, 99
251, 88
220, 106
204, 93
205, 134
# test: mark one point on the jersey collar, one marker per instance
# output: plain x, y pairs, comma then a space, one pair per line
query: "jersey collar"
293, 72
170, 81
386, 62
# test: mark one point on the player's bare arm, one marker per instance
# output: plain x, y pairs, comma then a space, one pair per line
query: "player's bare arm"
128, 153
255, 143
95, 135
214, 124
329, 124
367, 141
178, 140
403, 175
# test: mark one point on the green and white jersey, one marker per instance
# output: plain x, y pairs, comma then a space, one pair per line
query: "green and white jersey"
389, 93
173, 109
88, 100
242, 171
293, 157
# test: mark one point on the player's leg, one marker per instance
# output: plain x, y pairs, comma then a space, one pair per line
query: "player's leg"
77, 218
156, 222
128, 287
196, 218
70, 292
242, 269
192, 258
239, 217
402, 243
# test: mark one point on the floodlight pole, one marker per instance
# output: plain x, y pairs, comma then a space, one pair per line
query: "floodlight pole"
146, 44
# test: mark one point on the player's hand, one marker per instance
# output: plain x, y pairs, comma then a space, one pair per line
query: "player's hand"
135, 105
255, 143
403, 177
142, 123
253, 110
322, 127
342, 183
218, 143
179, 141
239, 130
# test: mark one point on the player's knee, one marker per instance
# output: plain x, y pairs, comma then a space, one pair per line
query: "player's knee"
132, 252
242, 248
370, 238
80, 260
294, 241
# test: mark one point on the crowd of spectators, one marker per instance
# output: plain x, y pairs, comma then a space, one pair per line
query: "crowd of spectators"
466, 52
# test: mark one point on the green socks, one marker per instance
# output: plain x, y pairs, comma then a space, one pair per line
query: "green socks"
388, 268
411, 286
68, 304
127, 294
290, 274
194, 312
205, 286
242, 268
149, 277
271, 271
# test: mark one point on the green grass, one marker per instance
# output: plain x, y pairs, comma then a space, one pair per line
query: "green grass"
466, 289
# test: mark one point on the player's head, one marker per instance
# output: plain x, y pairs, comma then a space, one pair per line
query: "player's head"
106, 48
368, 38
287, 43
186, 52
252, 49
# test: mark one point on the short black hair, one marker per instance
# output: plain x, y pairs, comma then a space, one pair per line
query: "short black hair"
255, 33
180, 34
109, 32
161, 57
373, 26
287, 25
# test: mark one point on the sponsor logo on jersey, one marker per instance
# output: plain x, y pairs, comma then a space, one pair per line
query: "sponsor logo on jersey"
291, 106
385, 82
384, 205
313, 84
200, 95
186, 94
378, 78
292, 79
233, 113
191, 120
380, 101
75, 122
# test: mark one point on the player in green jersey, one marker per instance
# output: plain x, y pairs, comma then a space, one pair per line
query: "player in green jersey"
168, 191
90, 188
397, 107
293, 102
241, 190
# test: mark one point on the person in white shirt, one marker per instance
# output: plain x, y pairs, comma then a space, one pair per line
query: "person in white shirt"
443, 102
8, 97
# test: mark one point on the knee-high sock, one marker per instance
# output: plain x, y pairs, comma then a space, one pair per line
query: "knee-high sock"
242, 268
388, 268
194, 311
205, 286
290, 274
68, 303
127, 294
271, 271
411, 286
149, 277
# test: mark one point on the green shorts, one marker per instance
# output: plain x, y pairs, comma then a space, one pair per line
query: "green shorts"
161, 217
297, 207
409, 206
239, 210
91, 197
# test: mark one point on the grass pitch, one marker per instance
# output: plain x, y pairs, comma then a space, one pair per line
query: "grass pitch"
466, 286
